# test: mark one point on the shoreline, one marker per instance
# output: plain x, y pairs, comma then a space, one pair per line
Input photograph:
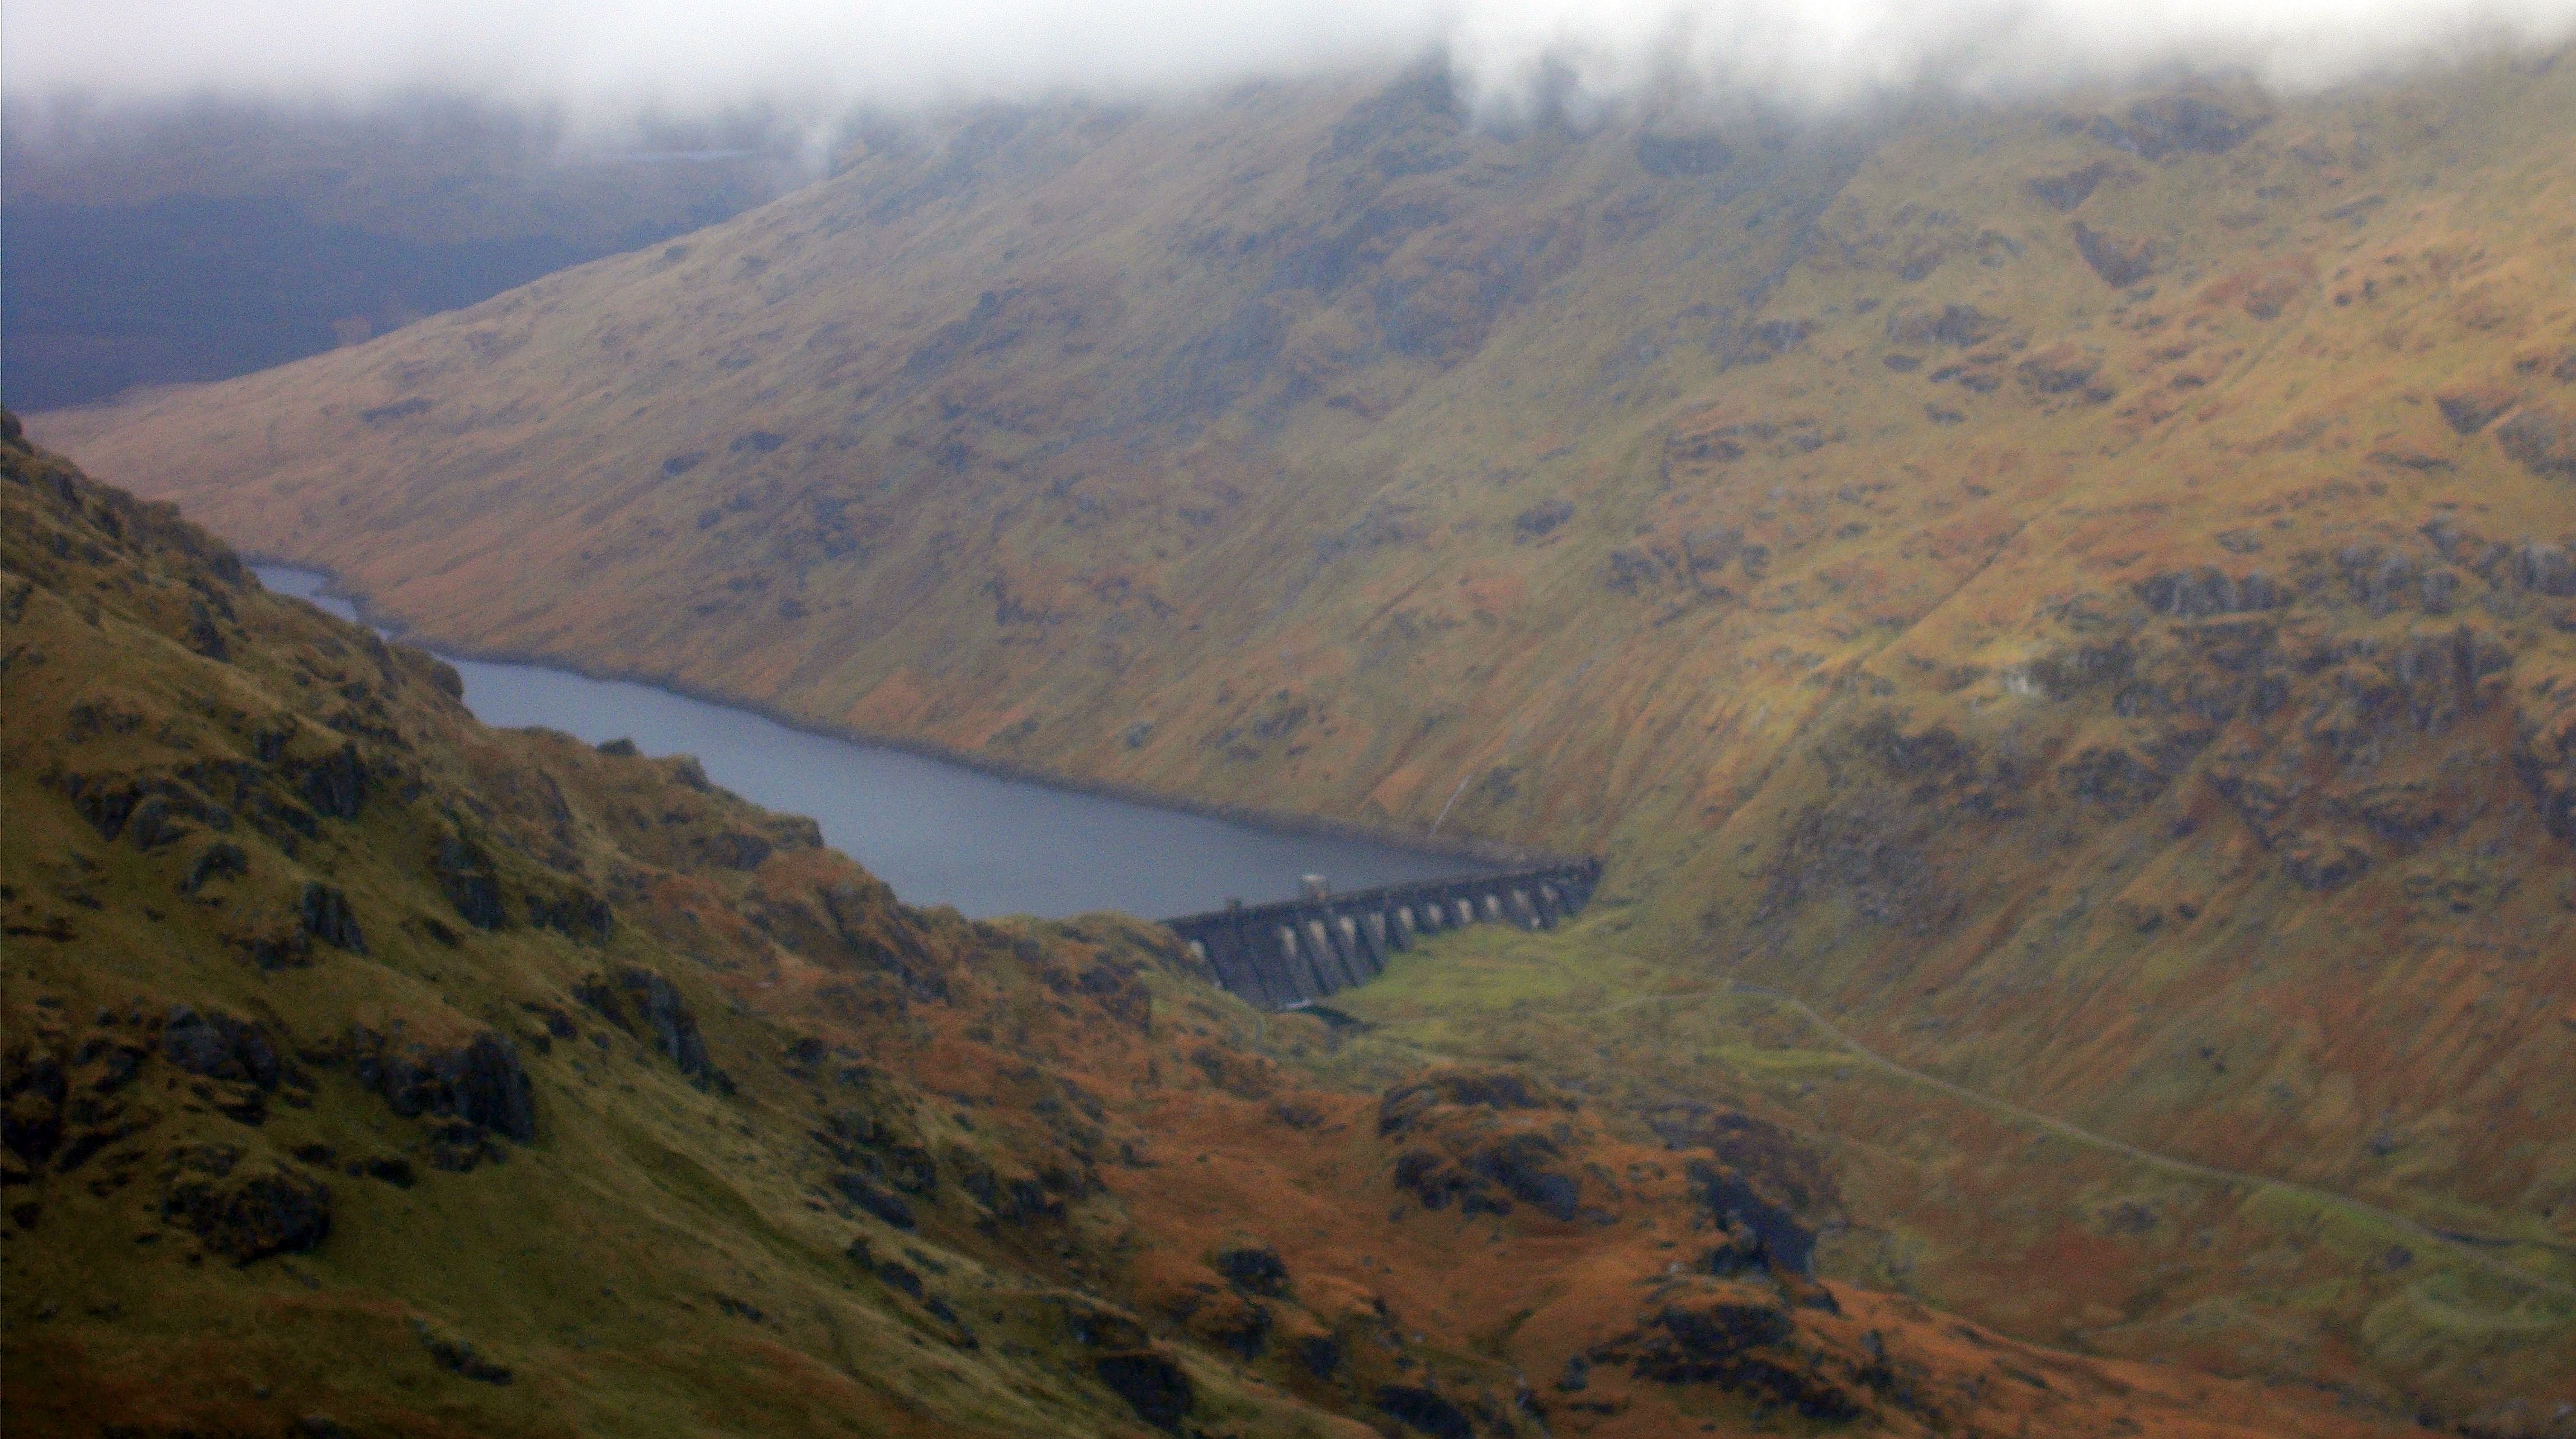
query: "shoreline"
1480, 851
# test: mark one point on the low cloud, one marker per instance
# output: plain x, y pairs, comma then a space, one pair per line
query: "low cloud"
676, 55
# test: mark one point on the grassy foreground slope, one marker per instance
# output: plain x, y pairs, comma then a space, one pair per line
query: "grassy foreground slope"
370, 1072
2079, 594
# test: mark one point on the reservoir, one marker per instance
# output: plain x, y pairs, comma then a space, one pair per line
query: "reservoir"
940, 833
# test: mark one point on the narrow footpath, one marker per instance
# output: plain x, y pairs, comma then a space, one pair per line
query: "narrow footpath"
2470, 1248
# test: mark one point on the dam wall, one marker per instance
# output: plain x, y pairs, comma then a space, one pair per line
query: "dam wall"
1278, 955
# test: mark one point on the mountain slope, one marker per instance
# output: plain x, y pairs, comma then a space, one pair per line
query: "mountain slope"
155, 246
2079, 593
371, 1072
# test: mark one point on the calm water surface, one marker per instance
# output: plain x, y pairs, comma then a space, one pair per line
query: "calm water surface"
939, 833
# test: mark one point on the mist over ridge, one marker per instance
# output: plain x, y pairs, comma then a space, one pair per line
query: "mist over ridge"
613, 62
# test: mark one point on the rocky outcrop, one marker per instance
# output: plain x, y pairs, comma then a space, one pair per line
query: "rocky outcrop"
2208, 591
480, 1083
2120, 261
2071, 189
458, 1357
1154, 1386
1739, 1338
648, 1006
1735, 1200
2174, 125
327, 917
1425, 1411
219, 1046
1253, 1269
466, 876
280, 1210
2541, 439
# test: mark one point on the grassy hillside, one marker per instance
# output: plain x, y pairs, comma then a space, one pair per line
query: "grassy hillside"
2079, 594
370, 1072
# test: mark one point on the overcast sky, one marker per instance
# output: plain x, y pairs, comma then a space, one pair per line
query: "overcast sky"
619, 54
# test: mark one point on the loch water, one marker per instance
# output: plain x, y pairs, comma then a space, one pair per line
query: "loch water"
939, 832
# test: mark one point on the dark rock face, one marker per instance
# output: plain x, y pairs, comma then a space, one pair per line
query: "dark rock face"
1716, 1332
326, 916
2545, 569
1543, 517
1672, 157
1321, 1354
1018, 1201
458, 1357
219, 1046
1884, 862
336, 784
392, 1169
2057, 371
1235, 1324
1743, 1252
2197, 594
1254, 1271
1738, 1345
36, 1087
863, 1192
482, 1083
648, 1006
734, 849
281, 1212
1731, 1198
203, 636
883, 1155
1958, 326
575, 914
2543, 441
1405, 1104
465, 875
156, 822
1151, 1384
2120, 262
2472, 409
2324, 861
214, 862
2065, 192
2112, 779
1517, 1166
1426, 1411
1094, 1327
2175, 125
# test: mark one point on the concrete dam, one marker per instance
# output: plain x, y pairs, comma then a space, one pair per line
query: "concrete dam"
1277, 955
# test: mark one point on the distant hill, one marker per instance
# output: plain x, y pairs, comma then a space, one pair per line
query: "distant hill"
212, 240
371, 1072
2077, 592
